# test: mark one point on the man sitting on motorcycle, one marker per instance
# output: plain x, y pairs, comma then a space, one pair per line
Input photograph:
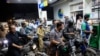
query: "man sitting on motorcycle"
15, 43
25, 28
56, 37
69, 31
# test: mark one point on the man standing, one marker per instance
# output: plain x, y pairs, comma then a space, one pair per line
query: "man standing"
40, 32
56, 37
66, 20
79, 23
85, 28
15, 43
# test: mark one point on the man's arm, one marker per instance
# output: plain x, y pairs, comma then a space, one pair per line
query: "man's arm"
69, 33
62, 39
11, 42
17, 46
88, 31
66, 32
84, 28
54, 41
24, 35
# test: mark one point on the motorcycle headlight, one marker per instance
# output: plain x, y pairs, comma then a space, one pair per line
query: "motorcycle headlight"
34, 46
5, 41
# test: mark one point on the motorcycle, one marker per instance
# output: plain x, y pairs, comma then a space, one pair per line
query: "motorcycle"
68, 49
47, 43
29, 49
73, 46
46, 46
4, 47
85, 49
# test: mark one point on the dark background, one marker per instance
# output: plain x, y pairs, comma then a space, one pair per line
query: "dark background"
26, 11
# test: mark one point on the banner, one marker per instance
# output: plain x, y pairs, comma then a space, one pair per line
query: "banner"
44, 15
45, 3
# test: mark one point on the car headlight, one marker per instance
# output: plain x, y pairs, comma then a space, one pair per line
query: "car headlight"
5, 41
34, 46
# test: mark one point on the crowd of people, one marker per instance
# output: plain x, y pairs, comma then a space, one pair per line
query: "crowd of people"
59, 31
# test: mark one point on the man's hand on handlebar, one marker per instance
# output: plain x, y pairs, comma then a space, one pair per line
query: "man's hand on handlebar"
72, 33
20, 47
62, 43
30, 37
91, 32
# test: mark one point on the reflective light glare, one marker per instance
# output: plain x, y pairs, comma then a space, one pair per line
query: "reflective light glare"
19, 0
5, 41
50, 0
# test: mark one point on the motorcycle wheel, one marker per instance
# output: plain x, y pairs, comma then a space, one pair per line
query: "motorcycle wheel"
90, 52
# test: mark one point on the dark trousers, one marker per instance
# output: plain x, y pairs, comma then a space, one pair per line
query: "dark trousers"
14, 53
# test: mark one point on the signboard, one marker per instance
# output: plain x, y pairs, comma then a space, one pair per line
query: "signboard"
43, 4
44, 15
60, 13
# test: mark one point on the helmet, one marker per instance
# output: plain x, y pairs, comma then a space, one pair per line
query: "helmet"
70, 23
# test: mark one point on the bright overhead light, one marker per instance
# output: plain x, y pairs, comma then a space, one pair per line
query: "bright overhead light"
50, 0
19, 0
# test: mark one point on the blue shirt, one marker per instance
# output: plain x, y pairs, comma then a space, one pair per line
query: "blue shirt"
26, 30
85, 26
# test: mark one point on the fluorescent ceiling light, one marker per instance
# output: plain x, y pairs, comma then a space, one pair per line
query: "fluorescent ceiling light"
50, 0
19, 0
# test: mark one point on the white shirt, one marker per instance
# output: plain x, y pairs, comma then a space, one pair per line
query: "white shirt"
79, 23
18, 28
90, 25
33, 25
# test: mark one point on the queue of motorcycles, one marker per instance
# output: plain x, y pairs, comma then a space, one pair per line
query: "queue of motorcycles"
72, 47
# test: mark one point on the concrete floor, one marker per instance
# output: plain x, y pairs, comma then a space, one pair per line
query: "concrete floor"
32, 54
